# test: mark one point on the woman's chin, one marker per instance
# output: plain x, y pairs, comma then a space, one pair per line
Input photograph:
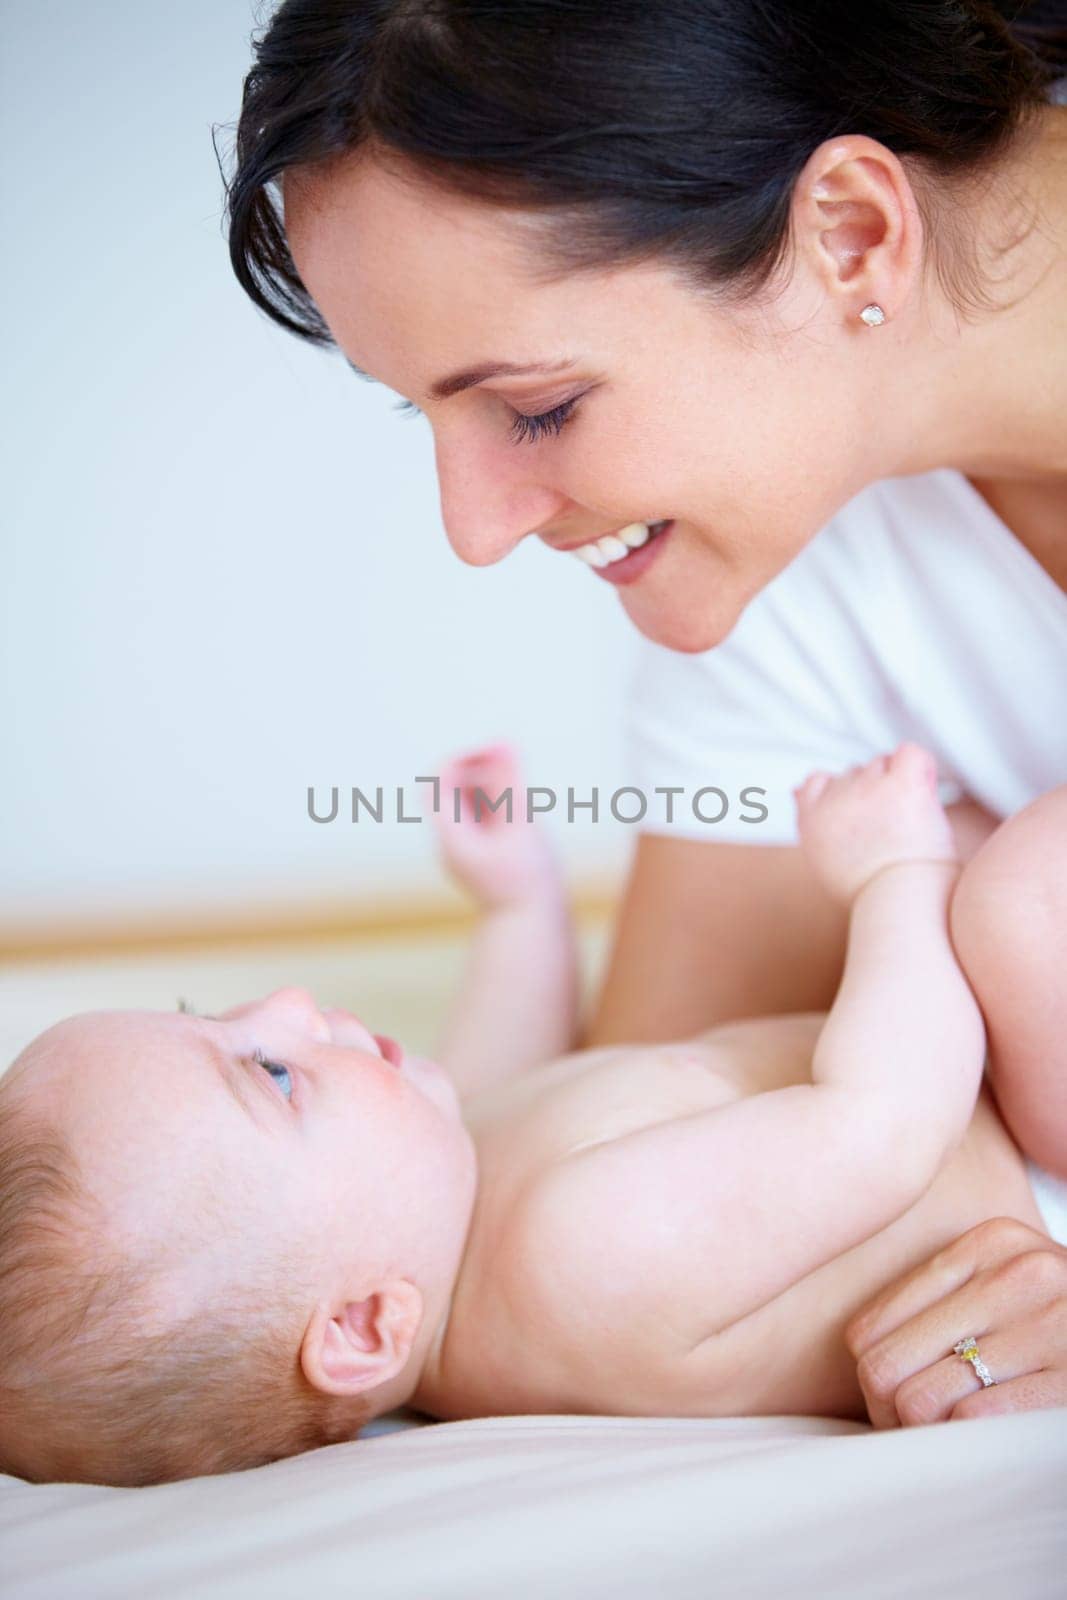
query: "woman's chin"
689, 628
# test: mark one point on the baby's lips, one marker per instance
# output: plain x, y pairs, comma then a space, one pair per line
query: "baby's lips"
391, 1051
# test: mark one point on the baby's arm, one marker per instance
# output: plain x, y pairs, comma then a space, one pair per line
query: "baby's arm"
518, 1000
704, 1219
905, 1031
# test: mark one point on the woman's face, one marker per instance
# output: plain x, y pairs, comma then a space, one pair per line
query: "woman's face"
749, 428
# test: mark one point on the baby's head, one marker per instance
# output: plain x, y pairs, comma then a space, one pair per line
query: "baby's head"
223, 1240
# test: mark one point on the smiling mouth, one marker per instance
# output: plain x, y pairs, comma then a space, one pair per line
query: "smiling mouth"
627, 568
618, 546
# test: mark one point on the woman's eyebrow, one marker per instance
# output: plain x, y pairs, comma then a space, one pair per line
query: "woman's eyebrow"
455, 382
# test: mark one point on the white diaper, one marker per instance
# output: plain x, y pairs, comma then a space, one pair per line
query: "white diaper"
1050, 1193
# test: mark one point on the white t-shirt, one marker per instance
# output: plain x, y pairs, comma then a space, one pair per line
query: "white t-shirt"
914, 614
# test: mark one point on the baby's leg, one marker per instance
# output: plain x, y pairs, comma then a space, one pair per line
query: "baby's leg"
1008, 919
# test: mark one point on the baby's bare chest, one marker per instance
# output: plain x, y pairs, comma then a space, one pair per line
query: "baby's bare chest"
526, 1126
500, 1338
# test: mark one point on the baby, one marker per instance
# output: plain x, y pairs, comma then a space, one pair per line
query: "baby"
227, 1239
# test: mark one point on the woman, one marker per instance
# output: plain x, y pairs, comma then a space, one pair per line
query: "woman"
774, 271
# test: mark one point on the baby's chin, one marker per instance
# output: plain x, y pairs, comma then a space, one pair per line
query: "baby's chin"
431, 1079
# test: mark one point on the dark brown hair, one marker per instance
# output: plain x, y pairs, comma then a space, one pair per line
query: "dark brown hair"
637, 129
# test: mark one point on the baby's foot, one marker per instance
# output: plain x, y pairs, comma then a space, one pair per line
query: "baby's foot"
872, 816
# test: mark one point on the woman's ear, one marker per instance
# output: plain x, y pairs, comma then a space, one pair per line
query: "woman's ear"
358, 1345
856, 220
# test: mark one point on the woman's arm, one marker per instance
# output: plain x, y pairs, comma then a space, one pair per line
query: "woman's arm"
711, 932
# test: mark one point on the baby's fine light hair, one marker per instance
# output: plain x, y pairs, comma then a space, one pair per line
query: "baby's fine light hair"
87, 1395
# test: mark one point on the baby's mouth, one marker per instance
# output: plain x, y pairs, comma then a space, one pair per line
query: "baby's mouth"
346, 1029
390, 1050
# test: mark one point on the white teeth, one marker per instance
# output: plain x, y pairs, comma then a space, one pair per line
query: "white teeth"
635, 535
613, 547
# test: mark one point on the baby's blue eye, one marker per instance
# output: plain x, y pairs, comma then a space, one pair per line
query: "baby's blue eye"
277, 1072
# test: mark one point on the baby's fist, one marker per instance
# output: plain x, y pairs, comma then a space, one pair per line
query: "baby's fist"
488, 842
884, 811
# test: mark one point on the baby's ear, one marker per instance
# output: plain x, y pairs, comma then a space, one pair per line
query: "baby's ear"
357, 1345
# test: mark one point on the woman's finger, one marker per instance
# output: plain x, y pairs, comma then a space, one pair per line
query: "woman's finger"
1010, 1354
986, 1246
1034, 1392
1022, 1299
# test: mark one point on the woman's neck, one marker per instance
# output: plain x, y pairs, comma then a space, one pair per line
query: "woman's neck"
993, 390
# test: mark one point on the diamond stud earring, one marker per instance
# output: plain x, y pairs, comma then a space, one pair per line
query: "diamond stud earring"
873, 316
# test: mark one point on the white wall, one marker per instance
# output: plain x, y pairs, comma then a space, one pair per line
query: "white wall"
224, 571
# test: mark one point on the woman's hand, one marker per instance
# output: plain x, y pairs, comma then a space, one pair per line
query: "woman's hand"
1002, 1282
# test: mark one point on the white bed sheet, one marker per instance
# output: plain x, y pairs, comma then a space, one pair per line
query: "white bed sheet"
611, 1507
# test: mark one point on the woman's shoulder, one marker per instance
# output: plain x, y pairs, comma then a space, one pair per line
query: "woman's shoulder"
939, 510
928, 543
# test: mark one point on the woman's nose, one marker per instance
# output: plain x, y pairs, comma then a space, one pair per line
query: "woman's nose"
481, 544
484, 512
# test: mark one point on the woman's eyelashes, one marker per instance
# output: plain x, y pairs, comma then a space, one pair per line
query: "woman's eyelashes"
548, 422
524, 427
281, 1074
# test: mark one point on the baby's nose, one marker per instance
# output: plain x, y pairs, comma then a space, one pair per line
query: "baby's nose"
298, 1004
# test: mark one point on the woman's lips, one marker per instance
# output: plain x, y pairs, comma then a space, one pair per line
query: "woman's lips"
391, 1051
637, 563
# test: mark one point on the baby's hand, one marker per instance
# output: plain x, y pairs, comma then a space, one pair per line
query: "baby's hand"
499, 862
872, 816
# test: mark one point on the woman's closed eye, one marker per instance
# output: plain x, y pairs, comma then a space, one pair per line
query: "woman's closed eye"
277, 1071
524, 427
